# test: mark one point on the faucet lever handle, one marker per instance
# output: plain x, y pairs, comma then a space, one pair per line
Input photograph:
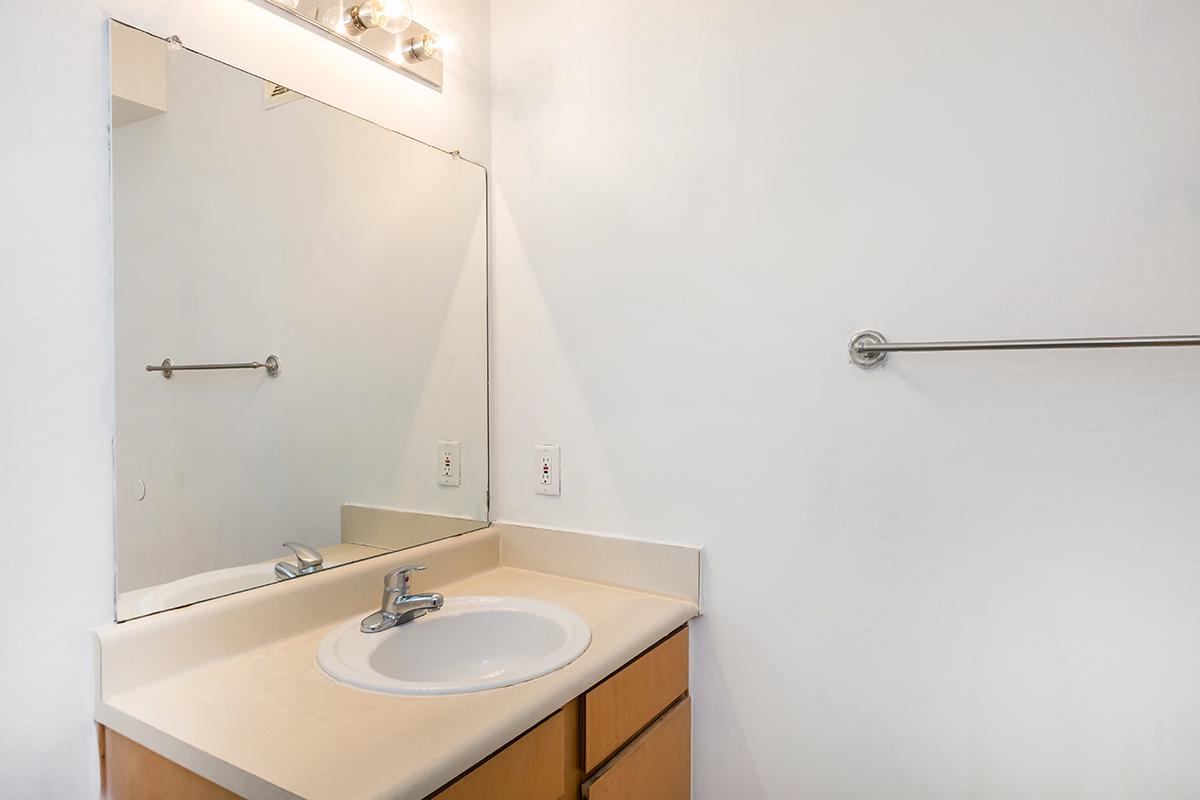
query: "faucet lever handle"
306, 557
398, 578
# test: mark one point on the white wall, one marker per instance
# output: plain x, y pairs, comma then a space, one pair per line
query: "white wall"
964, 576
240, 231
55, 403
56, 326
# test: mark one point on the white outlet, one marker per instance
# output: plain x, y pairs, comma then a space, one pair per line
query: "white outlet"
546, 466
449, 463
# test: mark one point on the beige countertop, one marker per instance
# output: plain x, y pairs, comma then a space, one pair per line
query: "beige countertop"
266, 722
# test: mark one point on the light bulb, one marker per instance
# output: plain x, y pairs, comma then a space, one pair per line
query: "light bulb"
447, 43
399, 52
336, 19
392, 16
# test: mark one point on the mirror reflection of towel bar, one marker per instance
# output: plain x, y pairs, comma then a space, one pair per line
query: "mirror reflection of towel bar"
167, 368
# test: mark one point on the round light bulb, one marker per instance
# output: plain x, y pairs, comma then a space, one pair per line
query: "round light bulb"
335, 18
447, 43
392, 16
399, 52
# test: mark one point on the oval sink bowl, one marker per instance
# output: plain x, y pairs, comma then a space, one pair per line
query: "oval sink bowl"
471, 644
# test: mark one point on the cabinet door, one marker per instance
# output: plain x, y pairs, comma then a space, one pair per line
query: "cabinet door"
531, 768
131, 772
657, 764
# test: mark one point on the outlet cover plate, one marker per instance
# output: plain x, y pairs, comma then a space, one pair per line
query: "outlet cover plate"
546, 470
449, 463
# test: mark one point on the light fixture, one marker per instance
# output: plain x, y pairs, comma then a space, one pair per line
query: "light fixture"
335, 19
392, 16
445, 44
382, 29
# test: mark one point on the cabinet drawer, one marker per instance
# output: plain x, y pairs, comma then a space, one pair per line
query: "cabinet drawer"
531, 768
625, 703
657, 764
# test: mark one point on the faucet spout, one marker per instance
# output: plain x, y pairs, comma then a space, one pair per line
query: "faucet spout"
398, 606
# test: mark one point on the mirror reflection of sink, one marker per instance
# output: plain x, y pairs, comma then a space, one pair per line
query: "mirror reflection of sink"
194, 588
471, 644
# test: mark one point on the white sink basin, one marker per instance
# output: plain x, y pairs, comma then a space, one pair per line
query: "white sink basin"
471, 644
194, 588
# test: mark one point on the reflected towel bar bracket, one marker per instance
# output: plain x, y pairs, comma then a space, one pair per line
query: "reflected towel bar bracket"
869, 349
168, 369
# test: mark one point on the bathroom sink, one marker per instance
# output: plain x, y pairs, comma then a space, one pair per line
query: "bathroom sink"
203, 586
471, 644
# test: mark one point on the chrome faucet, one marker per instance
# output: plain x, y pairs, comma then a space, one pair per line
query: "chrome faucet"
398, 605
308, 561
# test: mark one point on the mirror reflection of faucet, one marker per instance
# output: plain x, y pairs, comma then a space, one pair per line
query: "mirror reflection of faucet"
308, 561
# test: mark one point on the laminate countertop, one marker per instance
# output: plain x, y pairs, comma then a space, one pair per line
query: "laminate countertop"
241, 700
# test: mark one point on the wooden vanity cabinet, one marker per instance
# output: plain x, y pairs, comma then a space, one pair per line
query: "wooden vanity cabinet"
627, 738
129, 771
657, 764
631, 698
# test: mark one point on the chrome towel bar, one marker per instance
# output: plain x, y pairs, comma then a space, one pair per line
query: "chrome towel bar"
167, 368
870, 349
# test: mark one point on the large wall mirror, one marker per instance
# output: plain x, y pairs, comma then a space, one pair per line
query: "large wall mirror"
335, 274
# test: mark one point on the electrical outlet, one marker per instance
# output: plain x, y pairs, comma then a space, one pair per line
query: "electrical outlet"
546, 466
449, 463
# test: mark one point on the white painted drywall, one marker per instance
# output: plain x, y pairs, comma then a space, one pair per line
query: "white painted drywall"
56, 327
964, 576
55, 403
356, 254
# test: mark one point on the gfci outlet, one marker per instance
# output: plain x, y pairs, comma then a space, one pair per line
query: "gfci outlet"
545, 463
449, 463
